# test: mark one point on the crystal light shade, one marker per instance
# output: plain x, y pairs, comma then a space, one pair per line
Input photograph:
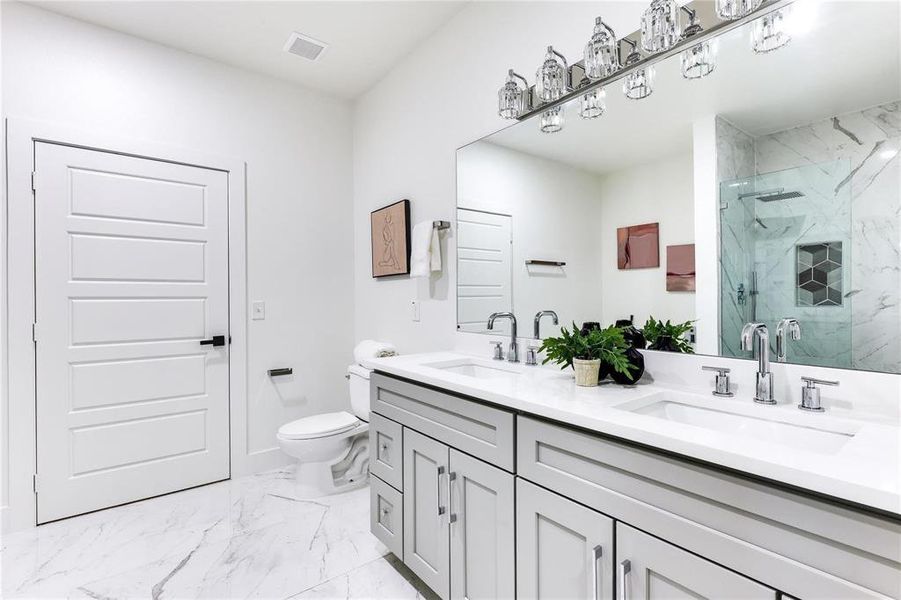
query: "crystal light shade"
699, 60
639, 84
552, 120
601, 57
593, 104
510, 98
660, 27
550, 79
770, 32
730, 10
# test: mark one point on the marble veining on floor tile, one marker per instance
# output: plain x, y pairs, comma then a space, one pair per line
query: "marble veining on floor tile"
246, 538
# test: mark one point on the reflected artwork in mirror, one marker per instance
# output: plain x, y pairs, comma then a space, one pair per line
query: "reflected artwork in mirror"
780, 170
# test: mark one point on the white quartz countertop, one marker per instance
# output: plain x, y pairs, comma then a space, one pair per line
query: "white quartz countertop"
863, 468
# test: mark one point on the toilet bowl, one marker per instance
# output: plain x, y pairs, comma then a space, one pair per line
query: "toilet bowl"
331, 450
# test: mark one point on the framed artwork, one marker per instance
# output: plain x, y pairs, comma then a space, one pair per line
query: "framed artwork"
390, 234
680, 268
638, 246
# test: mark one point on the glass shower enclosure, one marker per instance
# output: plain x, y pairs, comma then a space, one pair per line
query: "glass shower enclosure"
785, 251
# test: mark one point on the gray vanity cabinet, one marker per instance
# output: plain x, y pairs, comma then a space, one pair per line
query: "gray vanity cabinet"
426, 546
458, 521
563, 550
651, 569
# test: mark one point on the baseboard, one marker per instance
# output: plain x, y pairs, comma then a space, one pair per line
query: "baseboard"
261, 460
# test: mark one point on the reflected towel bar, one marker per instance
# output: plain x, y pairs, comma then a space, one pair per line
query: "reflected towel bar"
441, 225
546, 263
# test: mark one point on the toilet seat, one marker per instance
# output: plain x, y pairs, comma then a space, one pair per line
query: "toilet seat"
319, 426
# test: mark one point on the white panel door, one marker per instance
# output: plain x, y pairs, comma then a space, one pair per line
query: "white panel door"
484, 269
131, 274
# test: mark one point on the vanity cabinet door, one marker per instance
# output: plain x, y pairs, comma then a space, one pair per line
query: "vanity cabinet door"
651, 569
482, 531
426, 544
563, 550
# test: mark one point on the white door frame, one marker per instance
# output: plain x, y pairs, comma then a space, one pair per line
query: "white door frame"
18, 427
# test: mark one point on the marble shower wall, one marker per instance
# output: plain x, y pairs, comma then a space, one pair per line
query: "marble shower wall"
735, 168
869, 141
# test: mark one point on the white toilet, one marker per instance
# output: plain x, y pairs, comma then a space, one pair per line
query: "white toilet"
332, 449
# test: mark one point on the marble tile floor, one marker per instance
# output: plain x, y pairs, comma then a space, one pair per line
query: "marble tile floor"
250, 537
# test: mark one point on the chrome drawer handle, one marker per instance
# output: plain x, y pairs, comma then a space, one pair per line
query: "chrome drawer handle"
596, 553
625, 568
441, 509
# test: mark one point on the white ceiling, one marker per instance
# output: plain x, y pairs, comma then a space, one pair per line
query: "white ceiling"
846, 60
365, 39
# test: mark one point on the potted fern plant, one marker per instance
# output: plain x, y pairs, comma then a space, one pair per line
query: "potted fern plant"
586, 350
668, 337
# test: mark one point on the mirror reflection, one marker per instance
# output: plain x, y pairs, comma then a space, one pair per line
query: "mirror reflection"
765, 192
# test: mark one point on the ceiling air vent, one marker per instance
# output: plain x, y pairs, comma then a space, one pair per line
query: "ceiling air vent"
304, 46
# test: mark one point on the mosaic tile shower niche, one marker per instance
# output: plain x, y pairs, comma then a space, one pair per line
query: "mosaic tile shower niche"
820, 274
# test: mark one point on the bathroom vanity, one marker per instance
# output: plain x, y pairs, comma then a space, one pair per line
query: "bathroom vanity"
494, 480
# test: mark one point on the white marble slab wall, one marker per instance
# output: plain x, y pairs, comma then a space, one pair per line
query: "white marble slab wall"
735, 166
870, 141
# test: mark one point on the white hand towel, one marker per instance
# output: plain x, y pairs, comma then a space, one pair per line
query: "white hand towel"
373, 349
435, 251
420, 249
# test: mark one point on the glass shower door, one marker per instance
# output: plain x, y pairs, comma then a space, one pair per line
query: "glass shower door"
785, 250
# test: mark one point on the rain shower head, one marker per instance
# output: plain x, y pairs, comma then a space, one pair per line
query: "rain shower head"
772, 195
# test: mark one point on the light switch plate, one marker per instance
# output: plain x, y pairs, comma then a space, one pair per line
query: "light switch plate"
415, 310
259, 311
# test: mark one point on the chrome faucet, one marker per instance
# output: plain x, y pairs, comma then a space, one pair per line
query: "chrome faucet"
793, 328
756, 337
544, 313
513, 353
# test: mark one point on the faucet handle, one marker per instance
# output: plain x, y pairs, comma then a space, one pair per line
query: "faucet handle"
498, 350
722, 381
810, 393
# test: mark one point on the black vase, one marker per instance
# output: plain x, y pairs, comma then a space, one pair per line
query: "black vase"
664, 343
632, 334
636, 368
589, 326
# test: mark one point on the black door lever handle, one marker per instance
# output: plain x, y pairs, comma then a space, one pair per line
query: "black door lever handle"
215, 341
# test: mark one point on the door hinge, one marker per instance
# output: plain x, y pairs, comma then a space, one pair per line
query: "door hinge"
34, 182
35, 483
34, 333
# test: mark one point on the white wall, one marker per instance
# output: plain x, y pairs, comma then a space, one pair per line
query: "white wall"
298, 149
555, 210
659, 192
406, 130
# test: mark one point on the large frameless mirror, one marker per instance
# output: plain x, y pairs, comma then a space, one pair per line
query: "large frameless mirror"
767, 189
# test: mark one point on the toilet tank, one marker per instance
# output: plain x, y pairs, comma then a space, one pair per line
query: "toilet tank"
358, 379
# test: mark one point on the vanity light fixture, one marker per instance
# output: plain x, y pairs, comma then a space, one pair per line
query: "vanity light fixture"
698, 60
660, 27
511, 98
601, 56
552, 79
552, 120
593, 104
639, 83
729, 10
770, 32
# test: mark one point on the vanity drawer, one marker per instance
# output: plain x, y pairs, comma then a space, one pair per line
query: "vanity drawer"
386, 450
479, 430
386, 515
800, 545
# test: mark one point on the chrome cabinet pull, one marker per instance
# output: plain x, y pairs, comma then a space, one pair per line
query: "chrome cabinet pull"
441, 509
451, 478
625, 568
596, 553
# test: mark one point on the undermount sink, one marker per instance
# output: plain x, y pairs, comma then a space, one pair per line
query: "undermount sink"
475, 368
825, 437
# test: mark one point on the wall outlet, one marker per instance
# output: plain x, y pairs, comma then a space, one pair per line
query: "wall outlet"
415, 310
258, 312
